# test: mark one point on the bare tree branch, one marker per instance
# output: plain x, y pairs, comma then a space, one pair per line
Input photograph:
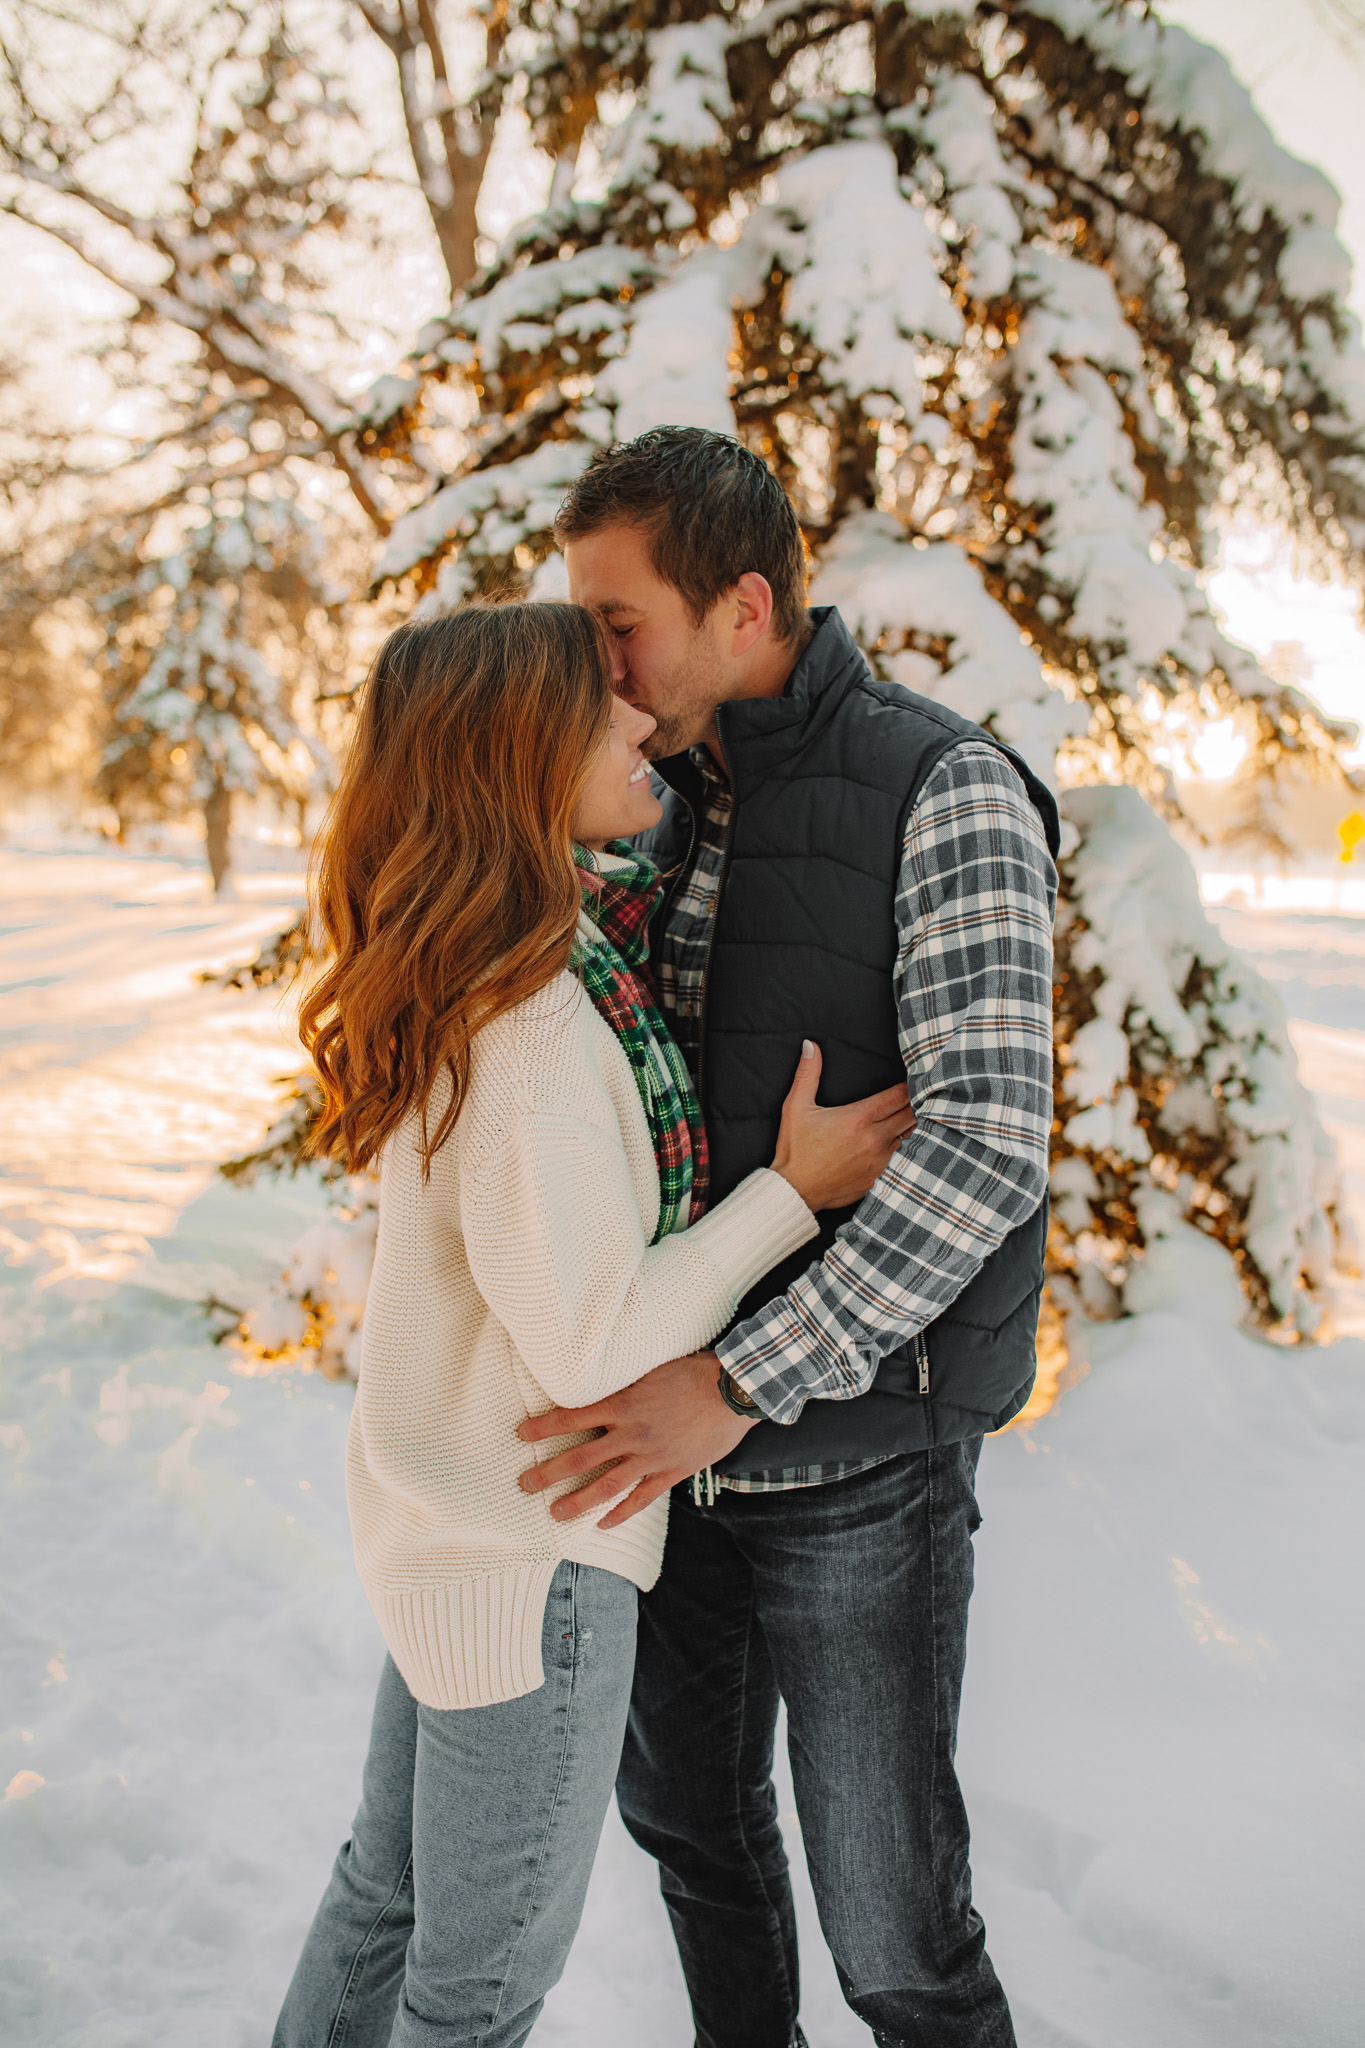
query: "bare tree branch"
449, 181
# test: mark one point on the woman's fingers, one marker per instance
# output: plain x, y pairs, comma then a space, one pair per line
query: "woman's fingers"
806, 1080
890, 1102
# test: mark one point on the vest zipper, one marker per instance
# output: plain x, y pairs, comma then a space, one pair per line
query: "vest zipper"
715, 919
922, 1361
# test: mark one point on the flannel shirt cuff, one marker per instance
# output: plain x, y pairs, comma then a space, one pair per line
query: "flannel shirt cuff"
779, 1360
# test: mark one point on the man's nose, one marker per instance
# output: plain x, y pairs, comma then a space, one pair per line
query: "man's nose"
619, 664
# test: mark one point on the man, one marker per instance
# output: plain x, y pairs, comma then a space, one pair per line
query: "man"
850, 863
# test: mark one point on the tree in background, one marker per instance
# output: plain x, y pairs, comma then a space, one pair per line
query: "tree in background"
223, 167
206, 654
45, 717
1015, 298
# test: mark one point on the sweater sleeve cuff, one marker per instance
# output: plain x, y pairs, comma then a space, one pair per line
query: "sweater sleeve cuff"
753, 1230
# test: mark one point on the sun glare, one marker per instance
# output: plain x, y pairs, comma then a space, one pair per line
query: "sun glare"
1218, 752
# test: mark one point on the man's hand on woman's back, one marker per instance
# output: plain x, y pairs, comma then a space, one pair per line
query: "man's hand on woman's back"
665, 1427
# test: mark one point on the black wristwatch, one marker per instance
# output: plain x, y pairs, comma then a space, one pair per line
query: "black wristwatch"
734, 1397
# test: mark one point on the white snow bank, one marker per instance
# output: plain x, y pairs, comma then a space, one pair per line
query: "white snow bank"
1163, 1702
1162, 1706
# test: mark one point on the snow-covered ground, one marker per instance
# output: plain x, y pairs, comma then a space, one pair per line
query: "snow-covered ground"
1162, 1737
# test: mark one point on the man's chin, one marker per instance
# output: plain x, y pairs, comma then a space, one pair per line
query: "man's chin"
670, 736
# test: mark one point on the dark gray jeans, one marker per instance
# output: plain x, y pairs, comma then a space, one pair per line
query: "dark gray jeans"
452, 1908
850, 1602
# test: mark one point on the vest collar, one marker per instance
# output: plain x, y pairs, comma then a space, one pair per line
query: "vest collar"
759, 734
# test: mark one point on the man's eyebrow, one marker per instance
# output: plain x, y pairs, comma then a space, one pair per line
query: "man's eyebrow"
615, 604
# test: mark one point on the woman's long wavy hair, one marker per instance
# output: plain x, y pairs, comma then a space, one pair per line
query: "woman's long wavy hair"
443, 879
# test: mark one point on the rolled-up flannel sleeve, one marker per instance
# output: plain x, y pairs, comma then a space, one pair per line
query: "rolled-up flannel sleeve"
974, 914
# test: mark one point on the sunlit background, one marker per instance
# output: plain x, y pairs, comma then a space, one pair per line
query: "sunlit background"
194, 1663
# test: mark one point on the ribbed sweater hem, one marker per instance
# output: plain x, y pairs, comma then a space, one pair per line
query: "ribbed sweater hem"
471, 1643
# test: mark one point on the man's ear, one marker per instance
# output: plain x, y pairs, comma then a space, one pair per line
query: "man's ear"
752, 601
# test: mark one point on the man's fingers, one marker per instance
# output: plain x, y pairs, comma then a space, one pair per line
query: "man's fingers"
563, 1422
599, 1492
567, 1465
648, 1490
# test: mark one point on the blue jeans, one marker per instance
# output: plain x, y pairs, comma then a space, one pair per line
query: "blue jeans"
452, 1908
850, 1602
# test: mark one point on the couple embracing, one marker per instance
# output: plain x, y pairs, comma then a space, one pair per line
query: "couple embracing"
674, 1379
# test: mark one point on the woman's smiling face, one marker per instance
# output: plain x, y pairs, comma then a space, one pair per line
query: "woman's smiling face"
617, 799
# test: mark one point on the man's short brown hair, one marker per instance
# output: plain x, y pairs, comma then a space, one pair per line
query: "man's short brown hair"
710, 510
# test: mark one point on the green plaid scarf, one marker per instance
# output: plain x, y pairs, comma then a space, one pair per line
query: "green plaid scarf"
615, 972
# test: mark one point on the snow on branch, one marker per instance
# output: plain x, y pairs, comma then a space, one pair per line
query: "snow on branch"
1016, 299
1178, 1089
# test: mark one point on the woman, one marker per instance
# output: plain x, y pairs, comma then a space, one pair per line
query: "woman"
483, 1030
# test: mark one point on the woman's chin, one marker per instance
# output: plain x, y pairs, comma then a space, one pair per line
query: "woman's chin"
643, 811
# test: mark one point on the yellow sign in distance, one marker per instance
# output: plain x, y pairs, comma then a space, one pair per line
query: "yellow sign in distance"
1350, 832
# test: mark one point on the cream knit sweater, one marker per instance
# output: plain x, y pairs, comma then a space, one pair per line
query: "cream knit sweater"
518, 1278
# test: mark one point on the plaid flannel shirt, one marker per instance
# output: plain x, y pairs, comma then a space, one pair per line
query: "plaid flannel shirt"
974, 912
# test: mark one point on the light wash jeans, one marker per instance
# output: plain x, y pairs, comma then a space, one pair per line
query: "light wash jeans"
452, 1908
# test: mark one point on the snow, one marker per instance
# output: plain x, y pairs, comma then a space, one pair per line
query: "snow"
578, 294
1161, 1729
503, 506
1189, 85
889, 589
688, 92
957, 133
685, 100
862, 278
674, 371
1193, 1009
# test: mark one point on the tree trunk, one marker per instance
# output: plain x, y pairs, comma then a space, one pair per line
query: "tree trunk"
218, 834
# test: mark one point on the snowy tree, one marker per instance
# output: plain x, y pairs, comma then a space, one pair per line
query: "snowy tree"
44, 715
1017, 299
224, 168
207, 651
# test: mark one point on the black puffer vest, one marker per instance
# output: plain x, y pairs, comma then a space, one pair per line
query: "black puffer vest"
804, 946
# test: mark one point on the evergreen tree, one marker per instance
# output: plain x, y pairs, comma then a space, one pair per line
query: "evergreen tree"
1017, 299
207, 652
223, 166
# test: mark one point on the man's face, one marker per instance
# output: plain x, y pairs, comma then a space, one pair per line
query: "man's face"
665, 664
